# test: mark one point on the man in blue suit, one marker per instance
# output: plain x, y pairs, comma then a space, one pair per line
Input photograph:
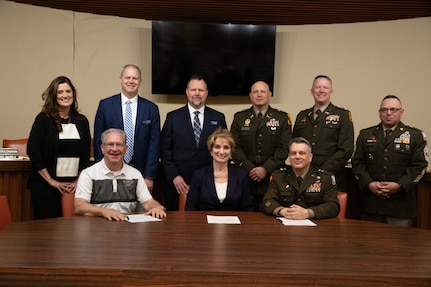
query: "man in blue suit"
145, 119
182, 153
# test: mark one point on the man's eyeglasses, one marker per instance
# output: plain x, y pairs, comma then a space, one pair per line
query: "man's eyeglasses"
385, 110
113, 145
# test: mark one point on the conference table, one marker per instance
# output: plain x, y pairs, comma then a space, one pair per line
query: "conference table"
184, 250
14, 175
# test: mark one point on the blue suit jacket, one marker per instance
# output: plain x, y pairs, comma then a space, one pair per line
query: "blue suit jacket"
147, 132
180, 156
203, 196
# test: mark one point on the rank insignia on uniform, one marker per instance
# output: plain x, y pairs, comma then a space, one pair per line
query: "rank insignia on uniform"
350, 116
333, 181
333, 119
289, 121
247, 122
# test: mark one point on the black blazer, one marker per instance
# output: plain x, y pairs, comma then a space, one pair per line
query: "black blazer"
180, 156
203, 196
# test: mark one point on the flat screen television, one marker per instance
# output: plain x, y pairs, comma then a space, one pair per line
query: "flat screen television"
231, 57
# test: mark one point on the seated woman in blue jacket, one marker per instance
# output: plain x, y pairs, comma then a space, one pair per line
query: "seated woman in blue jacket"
219, 186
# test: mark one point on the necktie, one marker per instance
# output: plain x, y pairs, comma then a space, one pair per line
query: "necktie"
197, 127
317, 113
299, 180
128, 128
387, 135
259, 118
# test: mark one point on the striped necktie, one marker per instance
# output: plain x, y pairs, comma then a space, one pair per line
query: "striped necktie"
197, 127
128, 128
317, 113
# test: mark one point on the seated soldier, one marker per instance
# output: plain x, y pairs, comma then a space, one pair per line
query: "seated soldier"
301, 190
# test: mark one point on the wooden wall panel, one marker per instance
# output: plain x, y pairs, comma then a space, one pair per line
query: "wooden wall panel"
275, 12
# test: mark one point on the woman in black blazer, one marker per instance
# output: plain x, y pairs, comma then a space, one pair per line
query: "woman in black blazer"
219, 186
58, 147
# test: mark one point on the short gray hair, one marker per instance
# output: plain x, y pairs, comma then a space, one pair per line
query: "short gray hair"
299, 140
112, 130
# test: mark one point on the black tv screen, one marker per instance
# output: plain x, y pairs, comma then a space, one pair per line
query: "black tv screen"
231, 57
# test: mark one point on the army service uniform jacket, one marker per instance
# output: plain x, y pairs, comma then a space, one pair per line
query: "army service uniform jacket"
401, 158
318, 192
331, 136
261, 141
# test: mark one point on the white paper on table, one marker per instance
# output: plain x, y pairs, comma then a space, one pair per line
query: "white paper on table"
135, 218
296, 222
223, 219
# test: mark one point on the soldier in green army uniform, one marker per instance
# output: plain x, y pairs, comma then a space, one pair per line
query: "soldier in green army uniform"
301, 190
262, 136
389, 161
329, 129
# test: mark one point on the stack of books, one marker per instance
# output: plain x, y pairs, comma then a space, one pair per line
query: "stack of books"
8, 153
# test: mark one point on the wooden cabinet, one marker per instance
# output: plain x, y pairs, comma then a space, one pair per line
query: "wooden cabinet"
424, 202
13, 184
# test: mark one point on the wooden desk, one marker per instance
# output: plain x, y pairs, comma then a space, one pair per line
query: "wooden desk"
424, 202
183, 250
13, 184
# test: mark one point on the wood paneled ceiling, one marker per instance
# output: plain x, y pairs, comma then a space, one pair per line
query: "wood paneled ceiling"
277, 12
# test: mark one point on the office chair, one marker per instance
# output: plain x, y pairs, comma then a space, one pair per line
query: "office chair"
342, 198
182, 202
68, 204
5, 217
20, 144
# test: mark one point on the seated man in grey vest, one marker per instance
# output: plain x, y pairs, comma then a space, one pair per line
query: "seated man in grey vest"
111, 188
